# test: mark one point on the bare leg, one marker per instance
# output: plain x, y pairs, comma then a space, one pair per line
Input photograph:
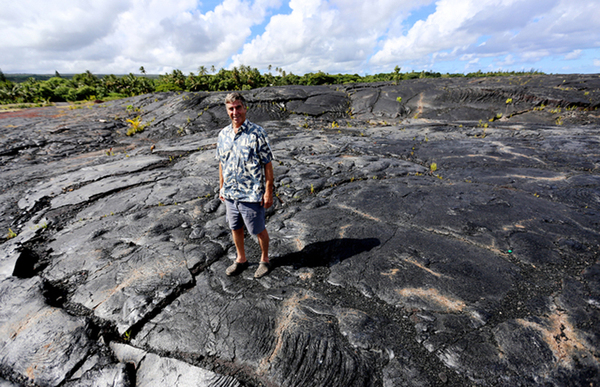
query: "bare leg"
263, 241
238, 240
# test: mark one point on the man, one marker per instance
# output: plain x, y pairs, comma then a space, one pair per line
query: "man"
246, 182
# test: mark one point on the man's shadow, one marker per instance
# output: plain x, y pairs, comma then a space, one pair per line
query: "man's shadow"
326, 253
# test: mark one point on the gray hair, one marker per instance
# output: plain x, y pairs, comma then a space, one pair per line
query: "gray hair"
235, 96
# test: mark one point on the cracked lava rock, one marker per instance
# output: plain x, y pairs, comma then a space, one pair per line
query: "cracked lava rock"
427, 233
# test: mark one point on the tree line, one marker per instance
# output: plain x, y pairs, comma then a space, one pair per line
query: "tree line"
87, 86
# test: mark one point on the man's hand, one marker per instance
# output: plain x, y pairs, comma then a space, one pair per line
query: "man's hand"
268, 196
267, 200
221, 183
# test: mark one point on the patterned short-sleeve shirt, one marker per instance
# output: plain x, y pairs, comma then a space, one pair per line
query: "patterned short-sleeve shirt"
242, 156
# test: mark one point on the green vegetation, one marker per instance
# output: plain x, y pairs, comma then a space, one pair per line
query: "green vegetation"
11, 234
24, 88
136, 126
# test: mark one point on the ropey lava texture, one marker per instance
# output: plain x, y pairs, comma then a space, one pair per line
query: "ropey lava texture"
433, 232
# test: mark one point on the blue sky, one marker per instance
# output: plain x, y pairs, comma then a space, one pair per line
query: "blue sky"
300, 36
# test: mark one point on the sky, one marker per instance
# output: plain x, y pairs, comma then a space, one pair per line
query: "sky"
299, 36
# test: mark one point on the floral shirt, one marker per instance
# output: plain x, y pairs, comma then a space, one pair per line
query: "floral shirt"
242, 156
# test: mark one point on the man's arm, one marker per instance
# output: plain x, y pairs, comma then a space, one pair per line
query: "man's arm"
269, 179
220, 181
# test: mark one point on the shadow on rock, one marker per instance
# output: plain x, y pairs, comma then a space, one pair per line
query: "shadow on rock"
326, 253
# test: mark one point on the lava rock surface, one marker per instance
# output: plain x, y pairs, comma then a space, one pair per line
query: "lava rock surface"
427, 233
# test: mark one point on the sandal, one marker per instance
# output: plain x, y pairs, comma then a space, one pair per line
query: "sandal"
263, 269
236, 268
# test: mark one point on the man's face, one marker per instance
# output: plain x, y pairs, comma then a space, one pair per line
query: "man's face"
237, 112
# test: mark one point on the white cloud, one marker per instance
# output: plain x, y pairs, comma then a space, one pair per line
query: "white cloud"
333, 36
57, 25
506, 62
119, 36
181, 37
576, 54
522, 29
440, 31
597, 62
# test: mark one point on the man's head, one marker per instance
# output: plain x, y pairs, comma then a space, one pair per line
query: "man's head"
236, 108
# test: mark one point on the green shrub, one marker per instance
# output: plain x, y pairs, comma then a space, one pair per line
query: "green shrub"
84, 92
86, 85
167, 87
61, 93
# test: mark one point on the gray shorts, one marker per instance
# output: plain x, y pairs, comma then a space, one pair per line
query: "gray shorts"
244, 213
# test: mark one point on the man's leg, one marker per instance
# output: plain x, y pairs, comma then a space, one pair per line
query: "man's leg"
235, 221
240, 263
264, 267
254, 219
238, 240
263, 241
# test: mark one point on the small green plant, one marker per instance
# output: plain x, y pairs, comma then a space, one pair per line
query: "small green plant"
509, 100
433, 167
399, 99
136, 126
38, 226
127, 336
11, 234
